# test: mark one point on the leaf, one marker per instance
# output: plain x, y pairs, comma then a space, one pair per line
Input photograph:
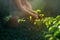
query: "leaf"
51, 38
48, 35
21, 20
7, 18
34, 23
38, 11
30, 17
41, 15
56, 33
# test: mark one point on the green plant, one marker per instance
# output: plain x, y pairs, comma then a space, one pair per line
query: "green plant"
50, 23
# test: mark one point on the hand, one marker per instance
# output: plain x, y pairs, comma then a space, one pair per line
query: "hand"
29, 13
27, 9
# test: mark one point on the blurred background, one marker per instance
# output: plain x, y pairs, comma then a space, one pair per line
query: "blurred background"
48, 7
46, 28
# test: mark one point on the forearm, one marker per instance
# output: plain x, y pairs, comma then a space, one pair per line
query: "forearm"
18, 4
24, 8
26, 4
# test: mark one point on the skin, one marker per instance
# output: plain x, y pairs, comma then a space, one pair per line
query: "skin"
25, 8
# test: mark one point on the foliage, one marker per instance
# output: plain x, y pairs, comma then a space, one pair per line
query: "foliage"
51, 24
53, 27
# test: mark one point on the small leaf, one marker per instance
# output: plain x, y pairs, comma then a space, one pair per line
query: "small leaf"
38, 11
56, 33
51, 38
35, 23
41, 15
48, 35
30, 17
